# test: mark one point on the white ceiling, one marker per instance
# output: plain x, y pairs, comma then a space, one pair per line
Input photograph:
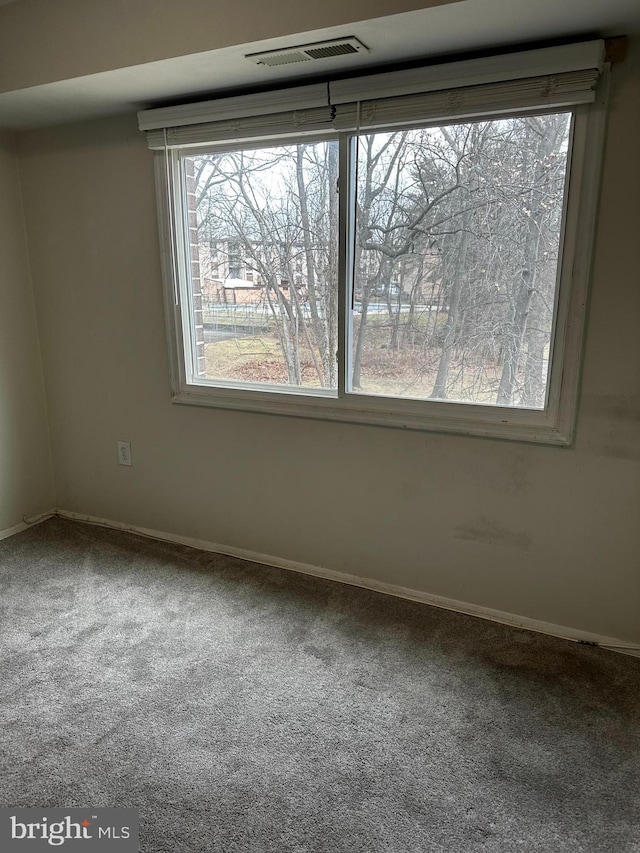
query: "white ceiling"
438, 31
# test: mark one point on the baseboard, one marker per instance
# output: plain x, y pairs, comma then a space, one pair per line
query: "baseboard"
26, 523
576, 636
11, 531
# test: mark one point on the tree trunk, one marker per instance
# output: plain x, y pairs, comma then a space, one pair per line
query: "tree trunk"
439, 391
320, 330
525, 286
523, 291
534, 387
362, 330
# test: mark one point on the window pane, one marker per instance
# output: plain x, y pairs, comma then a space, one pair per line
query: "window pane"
456, 258
263, 227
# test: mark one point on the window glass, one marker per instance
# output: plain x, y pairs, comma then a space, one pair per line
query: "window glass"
456, 256
263, 233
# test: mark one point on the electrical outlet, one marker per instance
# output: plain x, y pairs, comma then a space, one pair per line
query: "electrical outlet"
124, 453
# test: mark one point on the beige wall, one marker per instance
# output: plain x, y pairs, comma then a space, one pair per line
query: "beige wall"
43, 41
26, 484
542, 532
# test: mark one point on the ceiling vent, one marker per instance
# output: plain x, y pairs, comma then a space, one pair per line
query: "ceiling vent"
308, 52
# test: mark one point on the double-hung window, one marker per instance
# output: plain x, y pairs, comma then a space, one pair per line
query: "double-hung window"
404, 248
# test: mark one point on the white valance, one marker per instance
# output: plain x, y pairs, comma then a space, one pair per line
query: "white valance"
537, 79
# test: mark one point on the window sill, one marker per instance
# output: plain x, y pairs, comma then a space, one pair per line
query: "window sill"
497, 422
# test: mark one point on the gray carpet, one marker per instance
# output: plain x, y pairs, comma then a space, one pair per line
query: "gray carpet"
244, 708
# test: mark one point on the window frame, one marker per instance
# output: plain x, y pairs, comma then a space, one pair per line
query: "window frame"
552, 425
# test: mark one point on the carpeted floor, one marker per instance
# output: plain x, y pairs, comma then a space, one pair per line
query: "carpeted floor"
244, 708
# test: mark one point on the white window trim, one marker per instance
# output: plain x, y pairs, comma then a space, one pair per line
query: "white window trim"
552, 425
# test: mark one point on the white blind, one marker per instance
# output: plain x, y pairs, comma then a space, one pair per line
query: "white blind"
577, 87
315, 120
546, 78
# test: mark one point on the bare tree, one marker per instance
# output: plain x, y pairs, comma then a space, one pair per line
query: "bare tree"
279, 205
455, 253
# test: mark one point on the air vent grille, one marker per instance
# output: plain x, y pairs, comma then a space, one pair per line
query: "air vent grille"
332, 50
285, 58
307, 52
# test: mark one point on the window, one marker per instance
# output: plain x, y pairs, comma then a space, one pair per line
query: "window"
435, 223
277, 204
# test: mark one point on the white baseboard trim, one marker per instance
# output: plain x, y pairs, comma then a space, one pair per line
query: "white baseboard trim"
26, 523
11, 531
469, 609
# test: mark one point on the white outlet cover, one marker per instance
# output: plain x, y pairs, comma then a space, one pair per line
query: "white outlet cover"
124, 453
